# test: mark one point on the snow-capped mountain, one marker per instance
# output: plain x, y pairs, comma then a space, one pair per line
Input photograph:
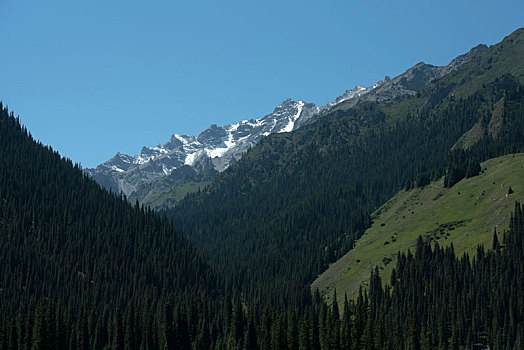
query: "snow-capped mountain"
157, 170
186, 156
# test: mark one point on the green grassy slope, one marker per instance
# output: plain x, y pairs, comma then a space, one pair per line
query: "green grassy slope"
465, 214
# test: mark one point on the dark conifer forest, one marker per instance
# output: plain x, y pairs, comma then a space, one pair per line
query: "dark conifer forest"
230, 267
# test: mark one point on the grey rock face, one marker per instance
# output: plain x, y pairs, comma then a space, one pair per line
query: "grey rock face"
407, 83
185, 156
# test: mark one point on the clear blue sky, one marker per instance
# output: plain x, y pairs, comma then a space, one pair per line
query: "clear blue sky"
92, 78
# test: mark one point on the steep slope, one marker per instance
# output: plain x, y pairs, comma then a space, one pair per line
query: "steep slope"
65, 239
408, 83
501, 59
160, 176
297, 201
465, 215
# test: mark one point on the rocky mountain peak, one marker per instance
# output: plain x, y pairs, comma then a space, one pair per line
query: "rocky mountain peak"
286, 104
212, 151
405, 84
460, 60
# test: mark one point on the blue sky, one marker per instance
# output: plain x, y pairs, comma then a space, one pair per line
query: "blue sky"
93, 78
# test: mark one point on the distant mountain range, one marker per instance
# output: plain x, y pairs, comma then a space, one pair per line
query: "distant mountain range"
153, 176
185, 158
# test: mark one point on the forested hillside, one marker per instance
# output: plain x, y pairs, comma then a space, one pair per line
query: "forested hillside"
74, 257
63, 237
298, 201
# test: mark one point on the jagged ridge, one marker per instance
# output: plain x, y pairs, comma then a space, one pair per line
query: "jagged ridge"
187, 158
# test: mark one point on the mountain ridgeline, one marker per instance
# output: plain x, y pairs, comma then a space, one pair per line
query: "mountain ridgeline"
298, 201
160, 176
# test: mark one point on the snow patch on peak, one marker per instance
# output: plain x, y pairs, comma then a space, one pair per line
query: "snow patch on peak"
192, 158
227, 143
255, 123
115, 168
141, 160
216, 152
181, 138
232, 127
291, 124
160, 149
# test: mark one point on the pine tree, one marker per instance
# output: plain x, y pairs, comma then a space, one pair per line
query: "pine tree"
169, 337
39, 339
277, 333
304, 335
292, 331
496, 244
237, 322
334, 308
250, 339
183, 340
